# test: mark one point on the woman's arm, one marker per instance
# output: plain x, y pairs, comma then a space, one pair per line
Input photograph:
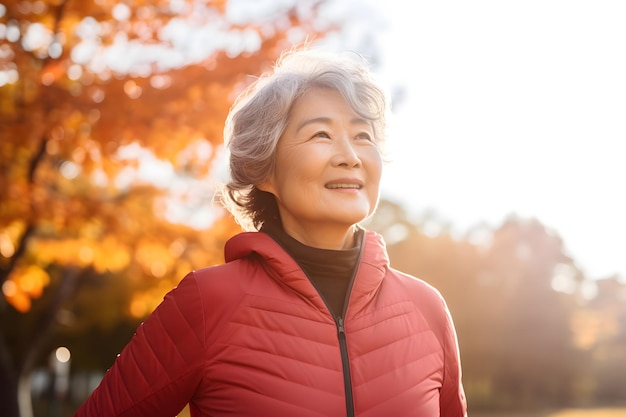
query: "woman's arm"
158, 371
452, 401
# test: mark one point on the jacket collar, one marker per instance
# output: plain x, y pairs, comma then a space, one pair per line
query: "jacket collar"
372, 267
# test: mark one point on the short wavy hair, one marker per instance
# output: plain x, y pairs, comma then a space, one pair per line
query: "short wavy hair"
260, 114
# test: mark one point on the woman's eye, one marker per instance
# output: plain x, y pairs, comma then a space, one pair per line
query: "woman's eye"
321, 135
365, 136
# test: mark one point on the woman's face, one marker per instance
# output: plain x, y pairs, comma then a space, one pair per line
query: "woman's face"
328, 170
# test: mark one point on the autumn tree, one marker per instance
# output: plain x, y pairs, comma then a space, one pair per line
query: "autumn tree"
602, 327
111, 118
532, 349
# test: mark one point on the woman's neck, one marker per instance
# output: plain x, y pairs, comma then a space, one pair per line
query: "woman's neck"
335, 238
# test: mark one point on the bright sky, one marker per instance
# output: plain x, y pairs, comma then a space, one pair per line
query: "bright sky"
514, 107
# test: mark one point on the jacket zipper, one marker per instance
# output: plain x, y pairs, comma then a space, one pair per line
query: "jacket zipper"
343, 343
345, 362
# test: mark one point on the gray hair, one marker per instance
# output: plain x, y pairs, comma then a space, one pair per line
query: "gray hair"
260, 115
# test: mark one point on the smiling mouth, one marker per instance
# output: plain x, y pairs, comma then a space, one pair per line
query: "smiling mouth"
340, 186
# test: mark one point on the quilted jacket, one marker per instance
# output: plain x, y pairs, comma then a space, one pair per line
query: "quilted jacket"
252, 337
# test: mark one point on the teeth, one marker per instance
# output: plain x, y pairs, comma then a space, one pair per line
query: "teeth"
335, 186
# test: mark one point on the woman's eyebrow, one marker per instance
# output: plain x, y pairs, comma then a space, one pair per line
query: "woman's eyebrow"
327, 120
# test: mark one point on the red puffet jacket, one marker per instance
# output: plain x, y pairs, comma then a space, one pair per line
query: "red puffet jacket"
252, 337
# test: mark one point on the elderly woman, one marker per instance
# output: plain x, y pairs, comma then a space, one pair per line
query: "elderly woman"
306, 317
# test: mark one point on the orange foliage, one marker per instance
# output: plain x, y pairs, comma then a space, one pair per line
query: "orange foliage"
24, 284
71, 189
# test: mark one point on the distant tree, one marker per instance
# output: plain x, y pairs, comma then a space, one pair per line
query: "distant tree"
605, 333
533, 347
519, 344
91, 95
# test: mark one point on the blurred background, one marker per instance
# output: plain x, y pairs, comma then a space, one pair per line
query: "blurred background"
504, 188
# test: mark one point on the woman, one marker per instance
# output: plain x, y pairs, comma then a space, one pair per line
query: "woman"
306, 317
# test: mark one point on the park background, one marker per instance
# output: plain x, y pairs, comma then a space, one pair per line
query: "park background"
111, 117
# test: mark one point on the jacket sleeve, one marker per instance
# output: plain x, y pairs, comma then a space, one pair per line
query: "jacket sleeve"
157, 373
452, 401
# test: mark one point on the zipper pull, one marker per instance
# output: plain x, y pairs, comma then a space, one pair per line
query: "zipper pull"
340, 328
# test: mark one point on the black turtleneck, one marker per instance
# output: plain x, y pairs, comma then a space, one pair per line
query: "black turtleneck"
329, 270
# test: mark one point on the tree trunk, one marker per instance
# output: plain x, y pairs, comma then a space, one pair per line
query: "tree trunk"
15, 375
8, 383
42, 334
24, 397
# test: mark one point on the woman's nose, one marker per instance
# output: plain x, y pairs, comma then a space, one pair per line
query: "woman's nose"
345, 153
